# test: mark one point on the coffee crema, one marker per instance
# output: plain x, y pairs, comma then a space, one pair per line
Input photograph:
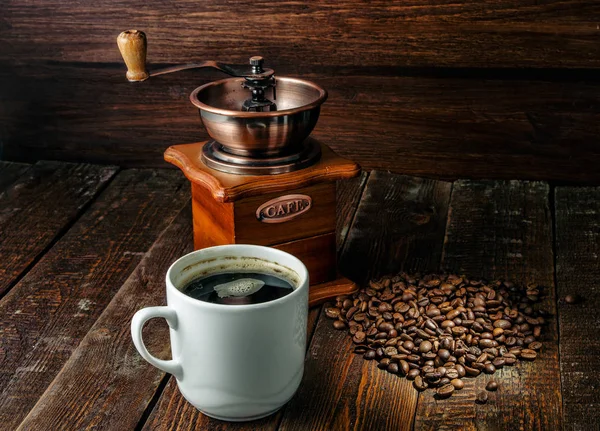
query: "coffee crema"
238, 288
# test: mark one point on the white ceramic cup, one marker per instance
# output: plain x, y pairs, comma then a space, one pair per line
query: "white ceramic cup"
233, 362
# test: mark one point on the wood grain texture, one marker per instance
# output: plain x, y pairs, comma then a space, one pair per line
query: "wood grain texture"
348, 194
46, 315
213, 220
398, 221
115, 382
502, 230
38, 207
507, 33
173, 413
10, 171
399, 224
577, 273
318, 220
463, 126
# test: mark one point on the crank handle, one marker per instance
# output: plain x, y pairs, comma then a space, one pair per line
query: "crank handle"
133, 46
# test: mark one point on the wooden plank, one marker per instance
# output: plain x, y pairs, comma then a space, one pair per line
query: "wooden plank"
348, 193
46, 315
507, 33
115, 382
174, 413
38, 207
577, 273
10, 171
502, 230
440, 128
399, 224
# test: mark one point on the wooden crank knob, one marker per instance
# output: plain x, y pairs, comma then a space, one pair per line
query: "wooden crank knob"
133, 44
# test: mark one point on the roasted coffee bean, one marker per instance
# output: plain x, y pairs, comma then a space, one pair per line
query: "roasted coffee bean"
420, 384
384, 306
528, 354
572, 299
485, 343
391, 342
390, 351
504, 324
431, 325
459, 330
383, 364
445, 391
351, 312
412, 374
444, 354
473, 372
478, 366
339, 325
452, 314
359, 337
385, 327
426, 369
369, 354
452, 373
425, 347
447, 324
404, 367
489, 369
482, 397
332, 312
413, 358
359, 317
360, 348
536, 345
499, 362
458, 384
470, 357
492, 385
433, 312
393, 368
408, 345
422, 334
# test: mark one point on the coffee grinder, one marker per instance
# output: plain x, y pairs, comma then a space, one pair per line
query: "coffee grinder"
261, 178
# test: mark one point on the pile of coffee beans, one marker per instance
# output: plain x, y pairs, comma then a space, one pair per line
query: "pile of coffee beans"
438, 329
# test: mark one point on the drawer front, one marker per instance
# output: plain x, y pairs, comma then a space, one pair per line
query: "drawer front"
282, 217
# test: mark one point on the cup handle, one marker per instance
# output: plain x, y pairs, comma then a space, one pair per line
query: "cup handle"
137, 323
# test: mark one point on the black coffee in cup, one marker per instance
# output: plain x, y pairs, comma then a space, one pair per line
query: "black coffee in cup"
238, 288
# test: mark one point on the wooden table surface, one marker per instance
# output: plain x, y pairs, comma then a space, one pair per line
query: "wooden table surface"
82, 247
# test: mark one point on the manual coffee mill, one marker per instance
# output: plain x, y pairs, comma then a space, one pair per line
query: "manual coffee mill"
261, 179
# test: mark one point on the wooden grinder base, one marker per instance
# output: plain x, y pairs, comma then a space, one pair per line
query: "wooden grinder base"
226, 210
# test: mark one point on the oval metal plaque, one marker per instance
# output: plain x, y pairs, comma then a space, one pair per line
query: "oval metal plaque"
283, 208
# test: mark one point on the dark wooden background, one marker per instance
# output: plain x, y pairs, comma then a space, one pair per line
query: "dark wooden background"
439, 88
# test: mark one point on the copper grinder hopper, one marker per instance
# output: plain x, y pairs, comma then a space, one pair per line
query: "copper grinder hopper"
259, 124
